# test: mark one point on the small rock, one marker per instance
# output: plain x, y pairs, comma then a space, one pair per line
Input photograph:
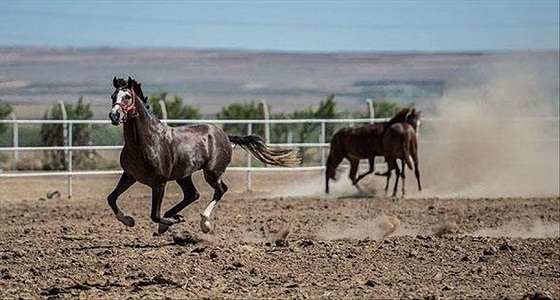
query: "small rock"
281, 243
53, 195
6, 274
465, 258
447, 288
306, 243
490, 251
254, 271
537, 296
507, 247
371, 283
213, 255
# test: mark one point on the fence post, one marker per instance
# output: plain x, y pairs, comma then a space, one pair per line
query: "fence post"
66, 152
15, 138
70, 160
266, 124
249, 183
322, 141
371, 111
163, 111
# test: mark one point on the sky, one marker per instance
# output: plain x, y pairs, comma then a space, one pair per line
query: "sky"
292, 26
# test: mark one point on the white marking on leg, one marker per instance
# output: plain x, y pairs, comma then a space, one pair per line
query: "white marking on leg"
205, 225
209, 209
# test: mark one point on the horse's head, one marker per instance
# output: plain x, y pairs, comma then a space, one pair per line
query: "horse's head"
413, 118
125, 99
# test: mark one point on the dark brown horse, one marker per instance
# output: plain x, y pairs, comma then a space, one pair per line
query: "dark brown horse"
355, 143
400, 142
155, 153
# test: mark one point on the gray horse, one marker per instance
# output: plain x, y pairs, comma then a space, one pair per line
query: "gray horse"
154, 154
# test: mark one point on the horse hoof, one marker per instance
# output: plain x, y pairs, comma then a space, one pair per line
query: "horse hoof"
126, 220
178, 218
205, 226
162, 228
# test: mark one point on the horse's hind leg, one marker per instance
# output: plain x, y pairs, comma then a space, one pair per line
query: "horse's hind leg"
354, 164
125, 182
190, 194
332, 162
414, 154
215, 181
398, 172
403, 176
371, 169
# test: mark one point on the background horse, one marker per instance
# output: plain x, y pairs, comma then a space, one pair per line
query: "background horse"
155, 153
400, 141
355, 143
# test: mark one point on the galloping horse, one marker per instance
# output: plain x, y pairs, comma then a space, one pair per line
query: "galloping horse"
155, 153
361, 142
400, 141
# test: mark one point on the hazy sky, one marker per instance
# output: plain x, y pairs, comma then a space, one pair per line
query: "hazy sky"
444, 25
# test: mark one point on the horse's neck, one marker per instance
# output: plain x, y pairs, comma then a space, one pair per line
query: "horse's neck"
142, 130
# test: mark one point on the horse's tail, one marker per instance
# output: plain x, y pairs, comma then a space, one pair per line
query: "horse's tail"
272, 156
406, 150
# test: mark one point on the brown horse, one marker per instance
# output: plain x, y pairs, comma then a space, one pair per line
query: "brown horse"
155, 154
400, 142
355, 143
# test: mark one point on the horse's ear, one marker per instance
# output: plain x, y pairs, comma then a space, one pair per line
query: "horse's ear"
115, 82
130, 83
409, 113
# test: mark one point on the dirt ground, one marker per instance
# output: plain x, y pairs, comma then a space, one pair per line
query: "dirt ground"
266, 246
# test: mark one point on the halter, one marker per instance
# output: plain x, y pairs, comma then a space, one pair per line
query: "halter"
130, 108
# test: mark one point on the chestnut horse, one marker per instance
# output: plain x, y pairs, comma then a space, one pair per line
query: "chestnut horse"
355, 143
154, 154
400, 141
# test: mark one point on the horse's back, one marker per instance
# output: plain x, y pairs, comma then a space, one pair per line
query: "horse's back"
207, 143
359, 142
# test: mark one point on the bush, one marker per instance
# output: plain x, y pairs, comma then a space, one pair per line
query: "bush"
53, 135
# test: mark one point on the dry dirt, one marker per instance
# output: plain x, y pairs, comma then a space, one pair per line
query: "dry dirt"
276, 247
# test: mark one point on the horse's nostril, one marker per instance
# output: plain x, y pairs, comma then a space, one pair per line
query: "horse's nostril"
114, 117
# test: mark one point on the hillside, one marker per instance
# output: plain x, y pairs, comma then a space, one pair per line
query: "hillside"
33, 79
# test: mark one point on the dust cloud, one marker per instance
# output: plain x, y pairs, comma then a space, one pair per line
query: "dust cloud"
538, 229
495, 133
377, 229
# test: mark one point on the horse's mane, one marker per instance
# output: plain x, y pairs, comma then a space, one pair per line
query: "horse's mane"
400, 116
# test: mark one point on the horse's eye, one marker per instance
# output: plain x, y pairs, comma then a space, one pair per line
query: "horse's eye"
127, 97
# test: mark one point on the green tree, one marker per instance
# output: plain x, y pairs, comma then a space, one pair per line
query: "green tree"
5, 110
175, 107
53, 135
242, 111
385, 109
310, 132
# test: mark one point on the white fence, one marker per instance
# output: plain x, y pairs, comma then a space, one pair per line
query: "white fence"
321, 143
69, 148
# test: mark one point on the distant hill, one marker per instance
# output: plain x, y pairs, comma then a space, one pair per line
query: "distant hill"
32, 79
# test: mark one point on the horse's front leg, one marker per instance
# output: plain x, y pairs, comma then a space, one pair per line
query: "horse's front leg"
157, 199
125, 182
371, 169
354, 164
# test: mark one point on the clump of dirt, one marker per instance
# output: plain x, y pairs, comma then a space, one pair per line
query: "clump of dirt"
185, 238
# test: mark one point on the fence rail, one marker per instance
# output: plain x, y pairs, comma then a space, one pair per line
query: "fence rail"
248, 168
69, 149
